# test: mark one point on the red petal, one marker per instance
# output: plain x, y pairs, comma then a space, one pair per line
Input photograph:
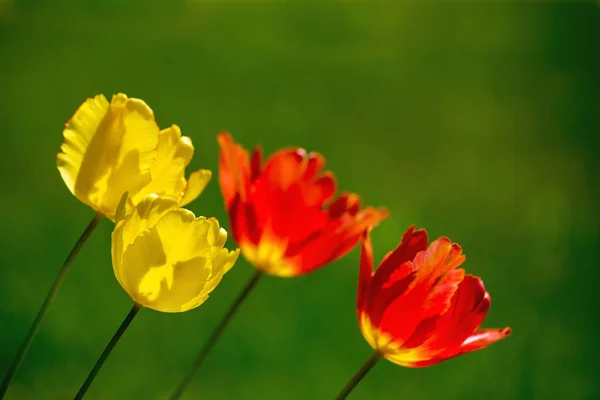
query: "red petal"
347, 203
483, 338
285, 167
454, 331
336, 239
319, 191
234, 168
316, 162
468, 307
412, 243
477, 341
395, 273
244, 224
437, 273
365, 273
435, 281
255, 165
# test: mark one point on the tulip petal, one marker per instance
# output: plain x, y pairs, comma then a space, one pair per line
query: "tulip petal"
222, 259
477, 341
174, 153
336, 239
411, 244
279, 215
189, 281
78, 133
365, 274
285, 167
316, 162
195, 185
483, 338
144, 256
154, 282
469, 306
145, 216
183, 236
432, 284
222, 262
168, 265
437, 274
108, 150
454, 334
234, 168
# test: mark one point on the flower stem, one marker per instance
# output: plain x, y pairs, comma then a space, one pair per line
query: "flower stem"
109, 347
47, 303
214, 337
374, 359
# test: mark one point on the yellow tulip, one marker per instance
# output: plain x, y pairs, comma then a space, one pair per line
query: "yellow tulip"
167, 259
117, 147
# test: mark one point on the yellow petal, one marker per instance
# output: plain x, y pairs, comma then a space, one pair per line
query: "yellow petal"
222, 262
78, 133
137, 260
167, 259
145, 216
153, 282
222, 259
183, 236
167, 266
189, 279
108, 150
196, 184
173, 155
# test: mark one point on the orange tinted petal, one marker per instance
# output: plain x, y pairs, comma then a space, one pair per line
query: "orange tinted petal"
412, 243
285, 167
336, 239
477, 341
365, 273
435, 281
469, 306
234, 168
315, 164
282, 207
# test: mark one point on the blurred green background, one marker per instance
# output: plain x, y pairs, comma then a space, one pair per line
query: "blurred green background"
476, 121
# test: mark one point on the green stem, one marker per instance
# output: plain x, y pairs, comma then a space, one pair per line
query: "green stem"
109, 347
214, 337
47, 303
374, 359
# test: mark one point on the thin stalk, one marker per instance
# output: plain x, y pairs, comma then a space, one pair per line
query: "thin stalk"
214, 337
12, 370
374, 359
109, 347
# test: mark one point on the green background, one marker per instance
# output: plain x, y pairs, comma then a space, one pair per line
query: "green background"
476, 121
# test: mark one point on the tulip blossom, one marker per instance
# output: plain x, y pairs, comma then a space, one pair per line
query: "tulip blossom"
418, 308
167, 259
117, 147
283, 212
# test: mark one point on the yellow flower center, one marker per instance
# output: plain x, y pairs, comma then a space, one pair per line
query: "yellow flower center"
269, 256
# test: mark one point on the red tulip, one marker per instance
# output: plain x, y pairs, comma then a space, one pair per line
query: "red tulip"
418, 308
283, 213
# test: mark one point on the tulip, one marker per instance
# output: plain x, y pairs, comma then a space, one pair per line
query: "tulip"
166, 259
110, 149
117, 147
285, 217
418, 308
284, 214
